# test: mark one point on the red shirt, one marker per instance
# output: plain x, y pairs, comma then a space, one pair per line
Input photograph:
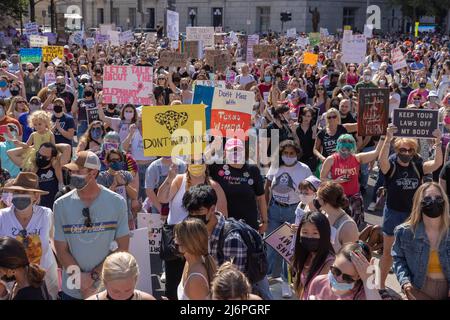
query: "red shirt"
349, 168
7, 120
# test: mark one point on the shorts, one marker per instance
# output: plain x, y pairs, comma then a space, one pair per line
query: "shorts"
391, 219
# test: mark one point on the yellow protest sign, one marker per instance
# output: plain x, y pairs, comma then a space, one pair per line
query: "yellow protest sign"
347, 27
173, 130
310, 58
51, 52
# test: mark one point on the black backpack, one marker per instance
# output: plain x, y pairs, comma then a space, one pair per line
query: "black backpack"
256, 265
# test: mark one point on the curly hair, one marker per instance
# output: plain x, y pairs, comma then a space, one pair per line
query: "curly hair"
40, 115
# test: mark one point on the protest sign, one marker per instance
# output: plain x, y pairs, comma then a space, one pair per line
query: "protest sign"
192, 49
138, 247
127, 84
90, 43
221, 61
31, 28
265, 51
126, 36
324, 32
51, 37
153, 222
92, 115
7, 41
241, 54
56, 61
32, 55
281, 241
173, 59
51, 52
415, 123
161, 130
151, 37
347, 35
77, 38
398, 59
114, 37
204, 34
230, 76
172, 27
373, 111
347, 27
105, 28
310, 58
302, 42
49, 77
251, 41
62, 39
354, 49
38, 41
314, 38
368, 30
203, 95
231, 109
291, 33
101, 38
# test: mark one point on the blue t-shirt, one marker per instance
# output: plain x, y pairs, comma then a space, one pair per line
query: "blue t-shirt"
27, 131
157, 172
89, 246
66, 122
6, 161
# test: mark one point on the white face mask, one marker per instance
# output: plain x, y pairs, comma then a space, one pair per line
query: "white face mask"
288, 160
306, 199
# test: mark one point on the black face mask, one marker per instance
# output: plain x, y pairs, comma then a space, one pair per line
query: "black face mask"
310, 244
57, 109
111, 107
317, 204
88, 94
14, 92
422, 85
8, 279
41, 161
405, 158
60, 87
432, 208
200, 217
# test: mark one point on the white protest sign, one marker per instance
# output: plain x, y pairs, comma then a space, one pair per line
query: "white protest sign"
105, 28
139, 249
173, 27
398, 59
127, 84
90, 43
233, 37
49, 77
77, 38
281, 241
204, 34
348, 34
153, 223
291, 33
114, 37
368, 30
354, 49
251, 41
302, 42
211, 83
38, 41
31, 28
57, 61
126, 36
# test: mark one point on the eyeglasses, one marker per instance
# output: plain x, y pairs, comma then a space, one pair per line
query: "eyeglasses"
87, 215
331, 117
404, 150
345, 277
26, 240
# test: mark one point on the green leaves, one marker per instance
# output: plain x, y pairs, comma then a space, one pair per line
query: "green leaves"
13, 8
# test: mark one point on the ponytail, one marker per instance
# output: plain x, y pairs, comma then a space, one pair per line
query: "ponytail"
211, 267
35, 275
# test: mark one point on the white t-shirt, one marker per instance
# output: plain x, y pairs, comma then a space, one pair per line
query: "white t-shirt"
285, 181
394, 104
38, 232
243, 80
119, 126
5, 94
137, 147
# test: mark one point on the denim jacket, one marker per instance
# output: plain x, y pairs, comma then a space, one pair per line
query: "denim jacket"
411, 252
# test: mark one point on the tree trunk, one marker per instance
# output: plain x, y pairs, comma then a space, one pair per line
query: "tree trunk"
32, 11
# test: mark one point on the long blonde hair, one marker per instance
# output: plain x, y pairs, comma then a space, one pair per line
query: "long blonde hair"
329, 112
119, 266
192, 235
230, 283
416, 213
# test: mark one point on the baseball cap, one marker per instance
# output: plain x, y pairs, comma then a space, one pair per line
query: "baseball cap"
347, 87
66, 47
84, 159
314, 181
234, 143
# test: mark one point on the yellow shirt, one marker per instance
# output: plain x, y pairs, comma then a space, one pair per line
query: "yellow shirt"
434, 265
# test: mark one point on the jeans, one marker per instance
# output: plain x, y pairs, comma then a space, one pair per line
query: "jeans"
82, 128
365, 170
262, 289
277, 216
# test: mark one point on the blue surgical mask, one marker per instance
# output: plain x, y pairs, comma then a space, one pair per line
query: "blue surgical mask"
267, 78
3, 83
116, 165
338, 286
96, 133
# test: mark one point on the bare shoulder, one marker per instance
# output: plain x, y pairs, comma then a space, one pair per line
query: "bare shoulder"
252, 296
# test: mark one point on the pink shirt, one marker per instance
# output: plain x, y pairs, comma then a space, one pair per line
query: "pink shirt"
304, 275
320, 289
423, 94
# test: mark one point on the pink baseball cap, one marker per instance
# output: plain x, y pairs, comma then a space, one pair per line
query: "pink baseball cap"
234, 143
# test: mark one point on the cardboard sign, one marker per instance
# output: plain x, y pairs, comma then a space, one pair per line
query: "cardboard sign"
314, 38
221, 61
281, 241
173, 59
101, 38
415, 123
90, 43
251, 42
31, 28
192, 49
114, 38
310, 58
139, 249
52, 37
265, 51
173, 27
127, 84
373, 111
173, 130
368, 30
38, 41
398, 59
231, 109
126, 36
51, 52
32, 55
291, 33
354, 49
204, 34
92, 114
153, 222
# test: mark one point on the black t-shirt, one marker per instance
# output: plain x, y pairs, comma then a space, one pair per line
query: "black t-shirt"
66, 122
404, 93
348, 119
403, 184
83, 105
445, 175
68, 98
306, 142
48, 182
32, 293
329, 142
311, 86
284, 133
241, 187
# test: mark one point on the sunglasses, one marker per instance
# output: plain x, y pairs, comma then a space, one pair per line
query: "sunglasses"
404, 150
87, 216
345, 277
26, 240
429, 200
331, 117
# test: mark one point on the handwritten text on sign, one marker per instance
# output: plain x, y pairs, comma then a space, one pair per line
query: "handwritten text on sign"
173, 59
204, 34
127, 84
415, 123
281, 241
373, 109
153, 223
354, 49
51, 52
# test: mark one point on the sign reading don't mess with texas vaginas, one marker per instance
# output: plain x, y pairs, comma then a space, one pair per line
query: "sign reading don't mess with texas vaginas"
127, 84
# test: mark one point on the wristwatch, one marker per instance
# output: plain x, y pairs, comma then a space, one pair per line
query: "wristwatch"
95, 276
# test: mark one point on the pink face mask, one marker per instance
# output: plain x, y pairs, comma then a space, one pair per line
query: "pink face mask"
447, 120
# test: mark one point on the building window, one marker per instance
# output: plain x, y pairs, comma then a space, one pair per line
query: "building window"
150, 18
115, 16
100, 16
132, 18
349, 16
263, 18
217, 14
192, 16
